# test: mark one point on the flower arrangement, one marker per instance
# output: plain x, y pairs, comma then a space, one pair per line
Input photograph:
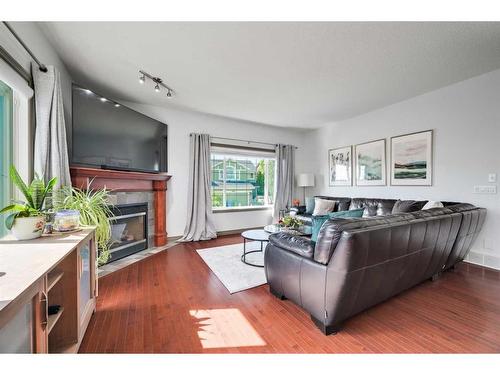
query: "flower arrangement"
291, 222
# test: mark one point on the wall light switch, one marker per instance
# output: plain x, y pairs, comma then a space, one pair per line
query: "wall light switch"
488, 189
492, 177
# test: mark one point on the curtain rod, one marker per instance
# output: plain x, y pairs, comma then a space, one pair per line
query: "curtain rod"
248, 142
41, 66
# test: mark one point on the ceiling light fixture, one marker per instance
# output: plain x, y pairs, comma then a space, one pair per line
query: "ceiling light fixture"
157, 81
104, 100
117, 105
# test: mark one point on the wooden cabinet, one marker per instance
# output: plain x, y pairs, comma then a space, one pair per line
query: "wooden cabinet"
67, 278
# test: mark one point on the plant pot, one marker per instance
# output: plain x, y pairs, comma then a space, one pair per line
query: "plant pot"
28, 228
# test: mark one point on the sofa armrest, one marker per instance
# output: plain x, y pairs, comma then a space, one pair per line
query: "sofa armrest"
296, 244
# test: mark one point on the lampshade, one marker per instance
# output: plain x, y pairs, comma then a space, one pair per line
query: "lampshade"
305, 180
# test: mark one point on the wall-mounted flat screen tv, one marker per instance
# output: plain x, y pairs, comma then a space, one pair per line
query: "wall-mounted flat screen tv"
109, 135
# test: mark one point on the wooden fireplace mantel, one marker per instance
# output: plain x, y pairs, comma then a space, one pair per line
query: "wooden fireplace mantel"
94, 178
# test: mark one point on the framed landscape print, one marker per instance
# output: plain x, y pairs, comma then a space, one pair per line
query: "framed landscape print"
370, 164
411, 159
340, 166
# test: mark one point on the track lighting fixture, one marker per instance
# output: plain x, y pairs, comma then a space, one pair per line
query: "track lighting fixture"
157, 81
104, 100
117, 105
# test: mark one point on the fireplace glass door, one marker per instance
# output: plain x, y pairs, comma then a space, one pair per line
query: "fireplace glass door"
128, 230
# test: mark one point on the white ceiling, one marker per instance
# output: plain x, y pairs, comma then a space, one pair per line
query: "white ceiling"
284, 74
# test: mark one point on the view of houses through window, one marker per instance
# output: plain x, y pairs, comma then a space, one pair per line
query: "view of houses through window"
242, 180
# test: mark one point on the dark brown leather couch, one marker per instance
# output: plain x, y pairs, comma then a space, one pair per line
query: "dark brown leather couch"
358, 263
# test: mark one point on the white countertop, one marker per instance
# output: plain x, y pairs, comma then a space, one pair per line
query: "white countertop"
24, 262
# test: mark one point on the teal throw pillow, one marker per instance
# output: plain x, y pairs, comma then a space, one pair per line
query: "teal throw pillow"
317, 222
344, 214
310, 205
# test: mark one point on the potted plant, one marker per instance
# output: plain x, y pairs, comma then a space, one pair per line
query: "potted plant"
94, 211
26, 219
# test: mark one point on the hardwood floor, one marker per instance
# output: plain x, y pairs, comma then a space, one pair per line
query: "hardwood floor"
172, 303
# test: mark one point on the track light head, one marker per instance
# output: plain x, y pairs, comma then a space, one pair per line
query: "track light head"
169, 94
104, 100
157, 88
117, 105
142, 79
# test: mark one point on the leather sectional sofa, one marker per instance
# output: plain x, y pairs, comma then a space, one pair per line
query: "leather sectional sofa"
357, 263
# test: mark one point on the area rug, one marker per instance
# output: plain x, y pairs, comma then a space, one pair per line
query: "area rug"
225, 262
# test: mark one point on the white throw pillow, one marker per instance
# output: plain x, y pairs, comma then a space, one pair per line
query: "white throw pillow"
432, 204
323, 206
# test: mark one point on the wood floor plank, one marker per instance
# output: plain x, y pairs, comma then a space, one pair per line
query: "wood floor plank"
172, 303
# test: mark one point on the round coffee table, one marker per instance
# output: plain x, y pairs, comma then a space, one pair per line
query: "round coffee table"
258, 235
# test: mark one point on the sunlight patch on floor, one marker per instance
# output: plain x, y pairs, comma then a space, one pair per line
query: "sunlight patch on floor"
225, 328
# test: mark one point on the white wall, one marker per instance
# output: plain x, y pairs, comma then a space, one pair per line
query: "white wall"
180, 125
465, 118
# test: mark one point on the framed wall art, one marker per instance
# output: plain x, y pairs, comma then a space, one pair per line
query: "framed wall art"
340, 166
370, 163
411, 159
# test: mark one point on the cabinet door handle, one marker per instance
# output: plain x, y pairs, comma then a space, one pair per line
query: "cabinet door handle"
45, 312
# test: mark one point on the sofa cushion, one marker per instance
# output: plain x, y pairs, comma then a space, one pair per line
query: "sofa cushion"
305, 218
296, 244
323, 206
373, 206
310, 205
407, 206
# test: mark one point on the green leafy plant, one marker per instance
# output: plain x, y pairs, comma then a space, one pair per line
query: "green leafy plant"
291, 222
35, 193
94, 211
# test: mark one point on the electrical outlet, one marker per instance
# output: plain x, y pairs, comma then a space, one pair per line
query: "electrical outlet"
492, 177
489, 189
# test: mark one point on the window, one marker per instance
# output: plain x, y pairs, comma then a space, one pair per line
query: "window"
241, 179
6, 108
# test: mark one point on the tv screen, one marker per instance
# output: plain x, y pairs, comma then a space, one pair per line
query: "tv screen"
107, 134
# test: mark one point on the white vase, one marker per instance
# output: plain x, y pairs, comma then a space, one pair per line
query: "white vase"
28, 228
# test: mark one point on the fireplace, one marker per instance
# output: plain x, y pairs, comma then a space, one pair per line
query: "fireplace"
129, 230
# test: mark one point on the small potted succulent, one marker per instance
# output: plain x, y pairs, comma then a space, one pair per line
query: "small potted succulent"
27, 219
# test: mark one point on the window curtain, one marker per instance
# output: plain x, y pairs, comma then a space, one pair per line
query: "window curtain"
51, 149
284, 178
200, 223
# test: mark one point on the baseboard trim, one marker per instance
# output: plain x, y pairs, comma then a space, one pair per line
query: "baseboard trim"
173, 238
235, 231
